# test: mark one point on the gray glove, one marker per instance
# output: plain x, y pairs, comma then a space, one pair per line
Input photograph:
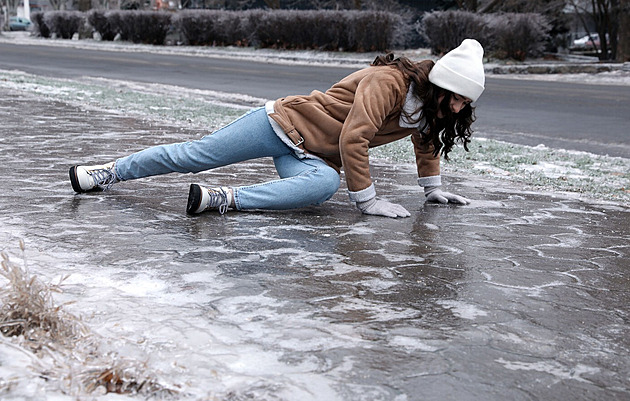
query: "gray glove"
435, 194
379, 207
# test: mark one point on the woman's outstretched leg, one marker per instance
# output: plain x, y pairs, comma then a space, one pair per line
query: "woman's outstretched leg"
248, 137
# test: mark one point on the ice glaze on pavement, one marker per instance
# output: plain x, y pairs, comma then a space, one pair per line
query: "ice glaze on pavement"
518, 296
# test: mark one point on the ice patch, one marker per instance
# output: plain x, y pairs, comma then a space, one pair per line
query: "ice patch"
411, 344
488, 168
143, 285
463, 310
554, 170
553, 368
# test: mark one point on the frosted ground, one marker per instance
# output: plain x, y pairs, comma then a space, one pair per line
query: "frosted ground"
320, 304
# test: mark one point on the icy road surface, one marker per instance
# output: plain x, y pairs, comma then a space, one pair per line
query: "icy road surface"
518, 296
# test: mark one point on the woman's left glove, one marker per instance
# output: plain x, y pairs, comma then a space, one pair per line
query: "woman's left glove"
435, 194
381, 207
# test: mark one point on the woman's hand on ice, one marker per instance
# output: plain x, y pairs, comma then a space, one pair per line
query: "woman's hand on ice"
379, 207
435, 194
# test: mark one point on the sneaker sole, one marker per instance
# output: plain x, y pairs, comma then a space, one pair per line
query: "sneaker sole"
74, 180
194, 199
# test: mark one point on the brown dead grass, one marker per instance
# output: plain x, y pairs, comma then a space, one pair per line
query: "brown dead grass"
28, 312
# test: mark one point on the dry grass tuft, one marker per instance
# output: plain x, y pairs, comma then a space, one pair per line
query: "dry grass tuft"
28, 310
61, 340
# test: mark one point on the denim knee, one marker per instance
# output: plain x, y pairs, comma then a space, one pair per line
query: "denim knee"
328, 183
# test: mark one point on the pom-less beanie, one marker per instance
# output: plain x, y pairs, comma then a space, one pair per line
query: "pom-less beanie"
461, 70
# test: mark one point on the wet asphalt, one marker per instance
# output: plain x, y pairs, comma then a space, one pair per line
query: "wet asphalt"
521, 295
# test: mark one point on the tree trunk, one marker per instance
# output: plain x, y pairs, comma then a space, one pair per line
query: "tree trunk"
623, 45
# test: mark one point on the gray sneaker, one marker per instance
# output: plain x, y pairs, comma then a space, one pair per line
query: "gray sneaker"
201, 199
88, 178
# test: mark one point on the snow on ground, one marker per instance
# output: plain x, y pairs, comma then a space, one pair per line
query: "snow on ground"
619, 77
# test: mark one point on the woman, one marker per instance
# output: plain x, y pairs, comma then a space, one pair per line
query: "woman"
310, 138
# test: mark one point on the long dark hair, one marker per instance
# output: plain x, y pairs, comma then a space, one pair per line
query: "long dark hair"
443, 133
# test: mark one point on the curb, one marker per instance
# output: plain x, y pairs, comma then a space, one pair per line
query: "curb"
559, 68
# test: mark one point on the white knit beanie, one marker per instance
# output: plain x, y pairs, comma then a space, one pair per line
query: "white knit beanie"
461, 70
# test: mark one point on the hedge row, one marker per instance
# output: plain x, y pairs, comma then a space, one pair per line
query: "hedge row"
286, 29
133, 26
507, 35
294, 29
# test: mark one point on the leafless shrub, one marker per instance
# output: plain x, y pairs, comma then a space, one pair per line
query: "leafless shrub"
214, 27
28, 313
505, 35
294, 29
445, 30
39, 26
350, 30
60, 24
105, 23
518, 36
64, 24
149, 27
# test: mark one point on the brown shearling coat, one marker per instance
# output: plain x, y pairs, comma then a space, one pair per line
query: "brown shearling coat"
359, 112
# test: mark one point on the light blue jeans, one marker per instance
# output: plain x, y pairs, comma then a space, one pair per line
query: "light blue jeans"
302, 182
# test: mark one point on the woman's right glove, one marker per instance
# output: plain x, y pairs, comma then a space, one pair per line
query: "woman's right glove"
379, 207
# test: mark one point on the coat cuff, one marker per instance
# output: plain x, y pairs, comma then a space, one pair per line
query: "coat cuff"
432, 181
363, 195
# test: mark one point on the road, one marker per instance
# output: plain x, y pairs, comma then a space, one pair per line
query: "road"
573, 116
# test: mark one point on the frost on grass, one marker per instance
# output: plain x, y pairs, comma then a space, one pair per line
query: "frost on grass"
178, 106
62, 348
592, 176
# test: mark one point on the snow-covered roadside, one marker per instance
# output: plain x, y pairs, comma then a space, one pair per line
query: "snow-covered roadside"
583, 174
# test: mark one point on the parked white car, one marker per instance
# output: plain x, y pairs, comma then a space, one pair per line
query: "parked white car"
585, 42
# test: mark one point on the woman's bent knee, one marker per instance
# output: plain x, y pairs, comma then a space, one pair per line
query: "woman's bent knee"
329, 182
